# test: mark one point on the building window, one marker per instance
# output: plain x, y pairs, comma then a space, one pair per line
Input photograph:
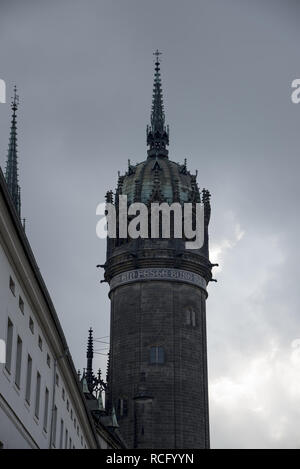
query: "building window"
157, 355
21, 304
61, 434
54, 426
12, 286
9, 343
45, 424
28, 379
48, 360
31, 325
18, 362
191, 318
40, 343
37, 395
122, 407
63, 394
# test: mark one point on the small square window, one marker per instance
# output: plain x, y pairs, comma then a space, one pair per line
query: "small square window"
31, 325
48, 360
157, 355
40, 343
12, 286
21, 304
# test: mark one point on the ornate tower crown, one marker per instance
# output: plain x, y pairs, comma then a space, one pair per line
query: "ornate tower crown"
157, 132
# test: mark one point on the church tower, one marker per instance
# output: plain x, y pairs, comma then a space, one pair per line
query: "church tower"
157, 371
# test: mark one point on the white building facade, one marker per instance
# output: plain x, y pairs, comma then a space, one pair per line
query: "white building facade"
41, 401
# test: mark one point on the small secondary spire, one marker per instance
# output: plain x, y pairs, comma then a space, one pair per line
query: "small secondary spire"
11, 170
89, 367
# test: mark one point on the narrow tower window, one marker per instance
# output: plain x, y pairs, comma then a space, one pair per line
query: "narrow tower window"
191, 317
157, 355
122, 407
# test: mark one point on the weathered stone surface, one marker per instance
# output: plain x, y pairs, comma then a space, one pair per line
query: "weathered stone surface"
146, 314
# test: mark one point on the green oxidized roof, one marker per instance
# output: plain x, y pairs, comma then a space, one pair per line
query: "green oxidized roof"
159, 179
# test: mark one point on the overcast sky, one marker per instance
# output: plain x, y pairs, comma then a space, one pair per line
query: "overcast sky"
84, 70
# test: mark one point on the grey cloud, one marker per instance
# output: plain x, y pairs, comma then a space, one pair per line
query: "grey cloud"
84, 71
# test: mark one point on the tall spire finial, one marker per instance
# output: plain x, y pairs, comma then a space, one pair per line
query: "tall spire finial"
11, 170
90, 355
157, 132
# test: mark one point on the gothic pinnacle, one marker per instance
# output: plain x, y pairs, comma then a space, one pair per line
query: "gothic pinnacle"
89, 356
11, 170
157, 132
